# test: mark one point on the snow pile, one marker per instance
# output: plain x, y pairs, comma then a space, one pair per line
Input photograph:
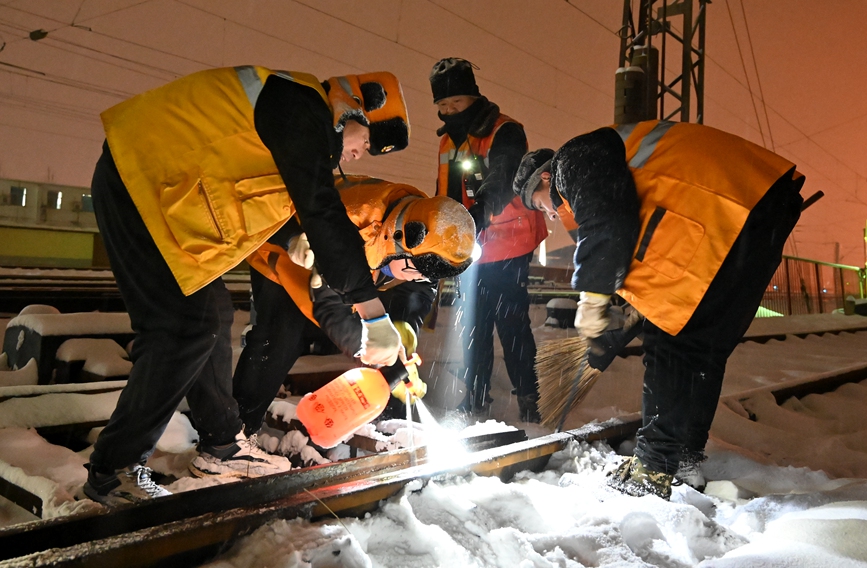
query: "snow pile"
57, 408
102, 357
27, 375
826, 429
284, 409
175, 449
38, 309
92, 323
828, 535
52, 473
566, 516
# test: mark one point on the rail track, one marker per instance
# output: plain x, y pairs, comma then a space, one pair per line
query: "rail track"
83, 290
190, 528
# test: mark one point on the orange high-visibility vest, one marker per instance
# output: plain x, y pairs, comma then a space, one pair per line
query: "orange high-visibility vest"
205, 185
366, 206
514, 232
697, 185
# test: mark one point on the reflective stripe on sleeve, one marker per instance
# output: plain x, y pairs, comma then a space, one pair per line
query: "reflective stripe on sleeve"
250, 81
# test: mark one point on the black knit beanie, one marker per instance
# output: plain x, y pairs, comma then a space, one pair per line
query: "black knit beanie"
451, 77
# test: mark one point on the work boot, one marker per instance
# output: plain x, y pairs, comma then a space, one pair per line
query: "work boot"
466, 404
483, 400
131, 484
633, 478
689, 471
472, 404
241, 458
528, 409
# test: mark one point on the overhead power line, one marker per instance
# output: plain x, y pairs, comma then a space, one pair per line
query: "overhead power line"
758, 75
92, 87
746, 75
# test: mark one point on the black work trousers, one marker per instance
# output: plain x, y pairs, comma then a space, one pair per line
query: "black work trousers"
495, 294
684, 373
271, 347
183, 344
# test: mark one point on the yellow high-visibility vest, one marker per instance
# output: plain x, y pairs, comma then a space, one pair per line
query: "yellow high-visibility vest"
205, 185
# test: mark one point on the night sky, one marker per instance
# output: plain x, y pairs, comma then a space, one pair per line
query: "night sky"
787, 74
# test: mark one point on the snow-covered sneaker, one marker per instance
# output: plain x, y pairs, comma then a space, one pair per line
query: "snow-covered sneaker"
632, 478
129, 485
242, 458
689, 471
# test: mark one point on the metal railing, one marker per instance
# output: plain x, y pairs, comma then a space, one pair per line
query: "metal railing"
804, 286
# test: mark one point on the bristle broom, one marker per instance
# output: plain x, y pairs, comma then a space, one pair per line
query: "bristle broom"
557, 363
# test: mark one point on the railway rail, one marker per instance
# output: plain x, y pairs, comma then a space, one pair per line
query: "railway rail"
189, 528
81, 290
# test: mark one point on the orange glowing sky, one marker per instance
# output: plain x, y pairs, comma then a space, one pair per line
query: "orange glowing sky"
548, 63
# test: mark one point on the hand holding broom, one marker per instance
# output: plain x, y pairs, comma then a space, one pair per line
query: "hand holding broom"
557, 361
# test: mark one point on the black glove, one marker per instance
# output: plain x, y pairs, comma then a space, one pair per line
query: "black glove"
480, 218
606, 347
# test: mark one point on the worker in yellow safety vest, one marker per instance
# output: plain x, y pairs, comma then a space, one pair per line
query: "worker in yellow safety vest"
194, 176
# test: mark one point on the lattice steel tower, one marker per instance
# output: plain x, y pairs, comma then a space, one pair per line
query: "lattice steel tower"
661, 36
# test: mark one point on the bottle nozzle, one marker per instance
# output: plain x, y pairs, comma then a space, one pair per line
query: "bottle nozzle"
399, 372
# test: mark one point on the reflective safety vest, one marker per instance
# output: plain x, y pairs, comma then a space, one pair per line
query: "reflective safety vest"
205, 185
367, 204
514, 232
697, 185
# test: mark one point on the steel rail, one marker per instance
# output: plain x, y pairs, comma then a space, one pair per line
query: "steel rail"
190, 528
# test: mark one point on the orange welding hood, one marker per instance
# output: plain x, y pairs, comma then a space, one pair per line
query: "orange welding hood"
376, 101
437, 233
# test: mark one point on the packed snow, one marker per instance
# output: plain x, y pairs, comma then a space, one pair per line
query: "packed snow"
754, 512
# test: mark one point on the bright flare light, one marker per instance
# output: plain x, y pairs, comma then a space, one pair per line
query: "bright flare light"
467, 165
444, 447
477, 252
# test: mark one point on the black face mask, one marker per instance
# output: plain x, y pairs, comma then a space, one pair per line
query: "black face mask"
458, 125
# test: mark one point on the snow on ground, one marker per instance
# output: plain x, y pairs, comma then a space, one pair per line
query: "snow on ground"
102, 357
761, 507
566, 516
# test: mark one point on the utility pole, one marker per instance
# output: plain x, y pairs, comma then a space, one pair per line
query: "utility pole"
649, 44
865, 246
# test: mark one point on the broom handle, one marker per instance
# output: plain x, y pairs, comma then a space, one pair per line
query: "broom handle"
611, 343
573, 391
631, 328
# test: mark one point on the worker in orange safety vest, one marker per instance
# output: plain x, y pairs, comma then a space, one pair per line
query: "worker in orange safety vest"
687, 224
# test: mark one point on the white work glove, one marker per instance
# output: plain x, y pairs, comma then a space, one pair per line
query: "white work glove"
591, 319
300, 252
380, 342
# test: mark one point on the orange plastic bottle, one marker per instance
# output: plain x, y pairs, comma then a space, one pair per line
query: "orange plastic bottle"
354, 398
